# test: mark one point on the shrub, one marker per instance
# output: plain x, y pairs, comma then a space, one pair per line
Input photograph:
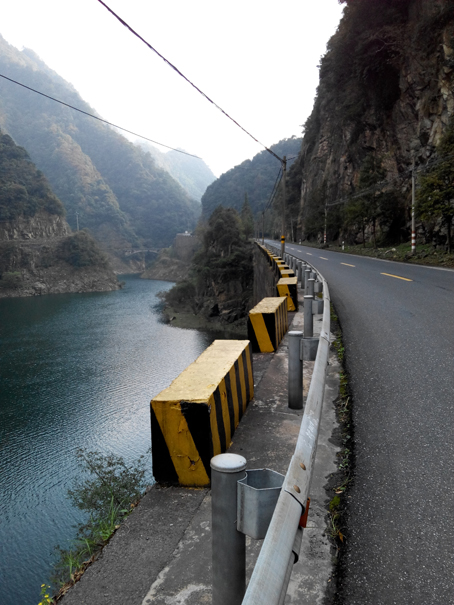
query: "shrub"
11, 280
81, 250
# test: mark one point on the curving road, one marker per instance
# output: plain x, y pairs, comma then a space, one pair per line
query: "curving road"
398, 330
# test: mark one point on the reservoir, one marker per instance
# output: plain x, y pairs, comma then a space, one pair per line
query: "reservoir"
76, 370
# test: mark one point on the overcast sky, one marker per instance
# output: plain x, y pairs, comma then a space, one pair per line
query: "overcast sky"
257, 59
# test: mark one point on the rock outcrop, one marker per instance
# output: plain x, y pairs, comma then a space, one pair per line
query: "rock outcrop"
386, 90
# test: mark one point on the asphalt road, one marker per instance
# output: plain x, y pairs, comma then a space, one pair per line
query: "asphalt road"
398, 329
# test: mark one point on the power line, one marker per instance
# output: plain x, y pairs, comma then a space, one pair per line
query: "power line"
274, 191
123, 22
96, 117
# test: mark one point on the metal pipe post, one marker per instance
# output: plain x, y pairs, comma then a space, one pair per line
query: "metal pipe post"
228, 544
295, 371
308, 316
307, 275
300, 273
310, 287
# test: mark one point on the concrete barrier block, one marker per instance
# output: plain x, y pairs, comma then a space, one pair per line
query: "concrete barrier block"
288, 286
195, 417
267, 324
287, 273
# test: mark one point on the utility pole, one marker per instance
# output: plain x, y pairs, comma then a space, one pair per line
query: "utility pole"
413, 225
326, 221
284, 177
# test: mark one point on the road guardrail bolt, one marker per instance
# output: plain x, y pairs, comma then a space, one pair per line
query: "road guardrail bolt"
297, 489
302, 466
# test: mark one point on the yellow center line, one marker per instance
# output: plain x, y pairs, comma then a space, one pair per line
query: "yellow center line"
396, 276
347, 265
323, 258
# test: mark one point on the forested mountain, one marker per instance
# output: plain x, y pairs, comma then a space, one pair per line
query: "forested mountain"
192, 174
116, 188
254, 177
38, 254
385, 100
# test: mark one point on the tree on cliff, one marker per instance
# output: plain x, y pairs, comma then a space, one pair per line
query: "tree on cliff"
436, 193
247, 218
221, 274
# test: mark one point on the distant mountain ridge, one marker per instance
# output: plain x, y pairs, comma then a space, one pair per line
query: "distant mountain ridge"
255, 177
113, 187
192, 173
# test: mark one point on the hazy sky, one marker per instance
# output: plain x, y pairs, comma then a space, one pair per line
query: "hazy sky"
257, 59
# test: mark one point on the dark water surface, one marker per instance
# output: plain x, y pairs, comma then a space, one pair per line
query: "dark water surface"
76, 370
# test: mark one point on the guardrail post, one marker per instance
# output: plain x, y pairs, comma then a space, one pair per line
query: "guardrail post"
308, 316
228, 544
307, 274
300, 273
310, 286
295, 371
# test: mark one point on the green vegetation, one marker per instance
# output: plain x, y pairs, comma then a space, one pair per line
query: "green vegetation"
221, 274
436, 192
46, 599
255, 177
115, 188
336, 506
108, 494
81, 250
24, 190
10, 280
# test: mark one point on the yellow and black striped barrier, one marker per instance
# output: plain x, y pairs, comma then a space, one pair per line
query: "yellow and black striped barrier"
195, 417
267, 324
287, 273
288, 286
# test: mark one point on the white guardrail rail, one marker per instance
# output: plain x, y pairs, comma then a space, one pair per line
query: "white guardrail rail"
280, 550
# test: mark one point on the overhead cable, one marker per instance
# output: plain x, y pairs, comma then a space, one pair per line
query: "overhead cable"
123, 22
96, 117
274, 191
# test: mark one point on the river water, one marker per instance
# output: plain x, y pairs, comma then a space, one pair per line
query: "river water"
76, 370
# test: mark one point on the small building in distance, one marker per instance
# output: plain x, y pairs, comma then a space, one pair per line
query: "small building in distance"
185, 245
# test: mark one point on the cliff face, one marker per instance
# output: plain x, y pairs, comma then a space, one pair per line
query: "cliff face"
385, 97
38, 253
41, 226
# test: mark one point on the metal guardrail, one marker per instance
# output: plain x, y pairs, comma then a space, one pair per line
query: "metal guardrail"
280, 550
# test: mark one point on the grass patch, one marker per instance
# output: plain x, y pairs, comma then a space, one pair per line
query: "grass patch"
108, 490
337, 506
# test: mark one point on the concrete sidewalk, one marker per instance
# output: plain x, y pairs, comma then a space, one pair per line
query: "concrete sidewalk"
162, 553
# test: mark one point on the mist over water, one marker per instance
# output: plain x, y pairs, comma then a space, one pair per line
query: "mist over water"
76, 370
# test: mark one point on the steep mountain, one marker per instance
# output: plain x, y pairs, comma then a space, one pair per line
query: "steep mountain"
385, 98
254, 177
114, 187
38, 254
192, 174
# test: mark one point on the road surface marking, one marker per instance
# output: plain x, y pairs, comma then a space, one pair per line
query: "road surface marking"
323, 258
347, 265
396, 276
308, 253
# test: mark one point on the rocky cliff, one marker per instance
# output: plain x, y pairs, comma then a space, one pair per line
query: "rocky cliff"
385, 98
38, 253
